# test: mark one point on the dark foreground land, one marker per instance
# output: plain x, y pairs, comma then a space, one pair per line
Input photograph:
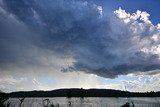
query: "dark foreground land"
79, 93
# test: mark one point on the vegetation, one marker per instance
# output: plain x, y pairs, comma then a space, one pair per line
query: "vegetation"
83, 93
72, 93
3, 98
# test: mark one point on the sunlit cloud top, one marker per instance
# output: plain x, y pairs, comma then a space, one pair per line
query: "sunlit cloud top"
59, 36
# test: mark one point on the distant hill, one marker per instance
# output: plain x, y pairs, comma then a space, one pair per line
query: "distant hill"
75, 92
2, 94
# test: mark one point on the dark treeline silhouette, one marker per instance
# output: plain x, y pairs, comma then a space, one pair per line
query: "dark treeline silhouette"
75, 92
3, 98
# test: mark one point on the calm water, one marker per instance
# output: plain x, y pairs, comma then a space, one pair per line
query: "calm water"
82, 102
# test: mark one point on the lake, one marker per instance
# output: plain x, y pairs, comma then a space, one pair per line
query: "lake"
83, 102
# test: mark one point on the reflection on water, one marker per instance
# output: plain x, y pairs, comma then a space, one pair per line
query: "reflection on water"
81, 102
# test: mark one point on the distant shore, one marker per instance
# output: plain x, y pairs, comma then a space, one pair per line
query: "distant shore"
77, 92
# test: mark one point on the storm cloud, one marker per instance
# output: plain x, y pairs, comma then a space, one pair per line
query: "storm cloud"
75, 35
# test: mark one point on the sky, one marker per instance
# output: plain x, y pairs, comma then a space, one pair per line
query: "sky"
52, 44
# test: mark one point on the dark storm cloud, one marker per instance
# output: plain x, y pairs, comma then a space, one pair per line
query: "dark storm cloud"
68, 28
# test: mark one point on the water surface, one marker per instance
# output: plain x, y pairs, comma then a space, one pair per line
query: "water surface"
82, 102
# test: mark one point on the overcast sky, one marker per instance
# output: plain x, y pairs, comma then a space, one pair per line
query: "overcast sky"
51, 44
